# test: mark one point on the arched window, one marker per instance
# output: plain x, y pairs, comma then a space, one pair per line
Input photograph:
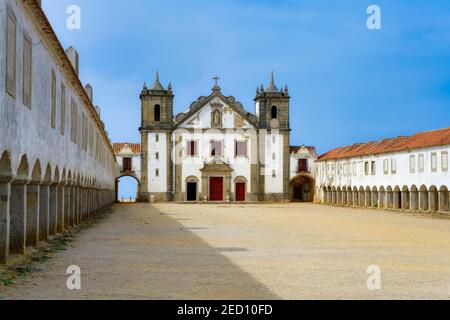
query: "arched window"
274, 112
157, 113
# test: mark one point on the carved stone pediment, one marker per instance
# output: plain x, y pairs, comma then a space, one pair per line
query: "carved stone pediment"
216, 165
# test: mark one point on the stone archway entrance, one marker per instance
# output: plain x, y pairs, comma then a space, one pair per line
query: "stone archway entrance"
118, 179
302, 188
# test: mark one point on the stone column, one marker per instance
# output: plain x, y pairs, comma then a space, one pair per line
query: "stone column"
60, 209
73, 201
33, 201
53, 209
443, 201
5, 195
405, 200
432, 201
349, 198
18, 218
44, 212
67, 200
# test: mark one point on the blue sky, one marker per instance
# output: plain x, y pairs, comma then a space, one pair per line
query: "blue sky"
348, 84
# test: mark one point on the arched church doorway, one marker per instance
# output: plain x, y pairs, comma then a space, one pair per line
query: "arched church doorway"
302, 188
127, 189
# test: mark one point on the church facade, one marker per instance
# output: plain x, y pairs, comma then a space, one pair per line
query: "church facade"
218, 151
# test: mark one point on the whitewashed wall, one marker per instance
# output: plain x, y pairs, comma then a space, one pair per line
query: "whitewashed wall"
29, 132
403, 176
157, 184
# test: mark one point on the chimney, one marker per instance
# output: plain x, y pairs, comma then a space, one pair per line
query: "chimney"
89, 91
97, 108
72, 54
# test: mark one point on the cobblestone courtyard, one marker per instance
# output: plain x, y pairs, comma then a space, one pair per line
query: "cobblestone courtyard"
279, 251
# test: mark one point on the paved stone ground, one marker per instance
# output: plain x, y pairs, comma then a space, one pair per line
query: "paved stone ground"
286, 251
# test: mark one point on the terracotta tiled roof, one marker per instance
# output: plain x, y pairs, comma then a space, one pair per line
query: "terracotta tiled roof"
294, 149
135, 147
420, 140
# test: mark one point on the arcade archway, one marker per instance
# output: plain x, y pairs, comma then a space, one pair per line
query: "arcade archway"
302, 188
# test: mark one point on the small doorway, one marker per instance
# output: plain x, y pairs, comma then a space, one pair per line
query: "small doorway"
192, 191
240, 192
216, 189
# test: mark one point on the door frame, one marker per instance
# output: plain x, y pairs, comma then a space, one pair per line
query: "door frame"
196, 190
236, 193
223, 187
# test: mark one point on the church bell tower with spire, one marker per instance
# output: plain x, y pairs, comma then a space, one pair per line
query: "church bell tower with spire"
272, 109
156, 128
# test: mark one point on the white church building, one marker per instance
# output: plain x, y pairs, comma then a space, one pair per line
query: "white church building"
218, 151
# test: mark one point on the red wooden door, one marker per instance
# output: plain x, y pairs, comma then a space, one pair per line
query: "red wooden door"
240, 191
216, 189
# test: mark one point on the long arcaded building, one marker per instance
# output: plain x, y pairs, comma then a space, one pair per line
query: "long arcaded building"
408, 173
57, 166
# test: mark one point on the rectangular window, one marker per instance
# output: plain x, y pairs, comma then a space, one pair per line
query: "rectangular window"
274, 174
157, 172
412, 163
302, 165
433, 162
53, 99
216, 148
366, 168
11, 52
27, 70
444, 161
386, 166
191, 148
73, 121
157, 138
393, 166
157, 156
127, 164
240, 149
373, 168
421, 162
63, 109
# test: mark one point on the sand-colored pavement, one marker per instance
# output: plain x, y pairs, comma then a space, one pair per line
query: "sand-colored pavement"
267, 251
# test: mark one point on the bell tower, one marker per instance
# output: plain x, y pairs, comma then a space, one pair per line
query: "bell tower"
156, 130
272, 104
272, 109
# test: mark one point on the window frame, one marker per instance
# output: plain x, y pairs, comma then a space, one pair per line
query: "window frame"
236, 155
189, 144
393, 166
11, 80
444, 164
212, 142
421, 163
412, 163
433, 162
27, 79
53, 91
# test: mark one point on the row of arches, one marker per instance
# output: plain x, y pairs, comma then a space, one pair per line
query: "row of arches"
38, 202
414, 198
